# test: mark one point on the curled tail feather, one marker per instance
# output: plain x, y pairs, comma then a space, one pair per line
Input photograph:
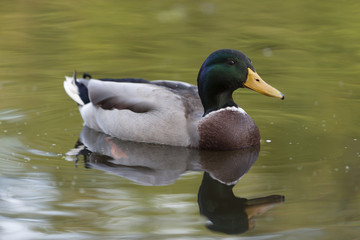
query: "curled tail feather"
76, 89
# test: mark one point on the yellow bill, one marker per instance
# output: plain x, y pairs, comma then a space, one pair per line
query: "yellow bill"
254, 82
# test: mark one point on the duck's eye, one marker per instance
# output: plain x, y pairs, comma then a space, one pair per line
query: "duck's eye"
231, 62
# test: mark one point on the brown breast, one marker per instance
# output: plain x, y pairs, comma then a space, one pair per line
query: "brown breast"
229, 128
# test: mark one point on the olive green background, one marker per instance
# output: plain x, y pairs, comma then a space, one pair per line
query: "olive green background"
309, 50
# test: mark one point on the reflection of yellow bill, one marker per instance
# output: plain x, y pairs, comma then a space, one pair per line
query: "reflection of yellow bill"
255, 83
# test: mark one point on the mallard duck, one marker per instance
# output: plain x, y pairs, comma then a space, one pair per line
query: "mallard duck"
173, 112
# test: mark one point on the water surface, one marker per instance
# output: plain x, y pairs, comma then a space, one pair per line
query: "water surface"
309, 142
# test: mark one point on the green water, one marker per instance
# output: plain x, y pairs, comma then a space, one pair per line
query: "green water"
310, 142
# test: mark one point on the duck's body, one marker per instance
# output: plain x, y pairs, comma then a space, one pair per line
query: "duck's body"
143, 112
170, 112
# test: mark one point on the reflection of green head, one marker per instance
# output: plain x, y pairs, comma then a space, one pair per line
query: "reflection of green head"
228, 213
237, 225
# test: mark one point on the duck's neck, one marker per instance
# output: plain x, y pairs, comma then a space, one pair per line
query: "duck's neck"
221, 100
214, 99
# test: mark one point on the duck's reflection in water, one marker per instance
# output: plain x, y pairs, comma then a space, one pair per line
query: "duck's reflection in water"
150, 164
142, 163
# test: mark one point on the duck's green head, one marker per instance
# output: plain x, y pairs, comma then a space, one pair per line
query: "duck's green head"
222, 73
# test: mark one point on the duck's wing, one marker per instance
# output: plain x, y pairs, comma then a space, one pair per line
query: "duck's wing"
143, 97
188, 94
164, 112
135, 97
123, 93
120, 94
